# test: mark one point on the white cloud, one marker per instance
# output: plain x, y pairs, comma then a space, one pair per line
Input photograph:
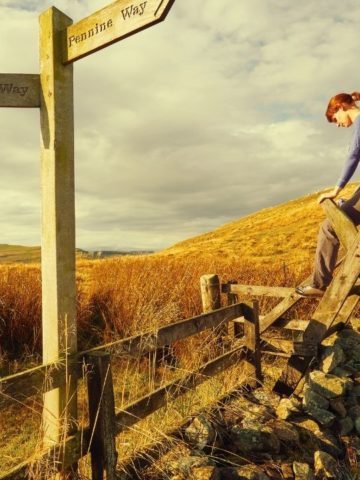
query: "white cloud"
215, 113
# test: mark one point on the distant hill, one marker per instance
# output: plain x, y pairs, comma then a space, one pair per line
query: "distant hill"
19, 254
22, 254
287, 231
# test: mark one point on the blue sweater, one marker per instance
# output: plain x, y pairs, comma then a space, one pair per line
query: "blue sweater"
353, 158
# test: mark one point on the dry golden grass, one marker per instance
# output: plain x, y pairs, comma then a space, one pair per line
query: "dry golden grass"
123, 296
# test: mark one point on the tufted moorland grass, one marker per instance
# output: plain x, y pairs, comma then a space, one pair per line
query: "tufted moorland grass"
123, 296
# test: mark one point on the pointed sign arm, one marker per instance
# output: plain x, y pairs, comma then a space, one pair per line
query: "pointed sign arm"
19, 90
111, 24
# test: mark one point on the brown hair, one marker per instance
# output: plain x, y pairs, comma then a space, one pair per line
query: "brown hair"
341, 100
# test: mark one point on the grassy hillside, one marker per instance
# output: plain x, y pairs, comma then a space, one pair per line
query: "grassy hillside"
19, 254
285, 233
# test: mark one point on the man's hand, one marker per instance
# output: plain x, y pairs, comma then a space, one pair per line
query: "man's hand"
330, 195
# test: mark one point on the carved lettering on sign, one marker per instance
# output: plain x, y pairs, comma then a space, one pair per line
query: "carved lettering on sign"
98, 28
10, 88
133, 10
95, 30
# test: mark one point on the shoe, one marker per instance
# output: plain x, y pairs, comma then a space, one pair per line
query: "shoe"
309, 291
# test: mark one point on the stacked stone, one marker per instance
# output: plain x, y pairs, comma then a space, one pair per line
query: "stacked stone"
303, 437
332, 393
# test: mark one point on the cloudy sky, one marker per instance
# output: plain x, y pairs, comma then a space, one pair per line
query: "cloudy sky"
211, 115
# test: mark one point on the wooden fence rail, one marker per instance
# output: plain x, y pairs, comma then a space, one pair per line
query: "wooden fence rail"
99, 436
47, 377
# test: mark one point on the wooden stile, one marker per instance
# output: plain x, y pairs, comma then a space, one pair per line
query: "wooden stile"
341, 223
336, 305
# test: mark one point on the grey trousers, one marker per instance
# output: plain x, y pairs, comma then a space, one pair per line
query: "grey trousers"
328, 243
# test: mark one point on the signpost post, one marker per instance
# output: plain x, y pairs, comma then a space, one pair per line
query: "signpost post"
61, 44
58, 222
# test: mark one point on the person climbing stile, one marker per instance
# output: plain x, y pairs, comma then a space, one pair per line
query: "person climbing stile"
343, 111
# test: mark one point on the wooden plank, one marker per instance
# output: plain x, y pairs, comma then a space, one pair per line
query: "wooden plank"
102, 417
252, 338
59, 326
19, 90
292, 324
254, 290
333, 307
285, 323
25, 384
111, 24
278, 311
37, 380
291, 347
232, 299
347, 309
344, 227
77, 445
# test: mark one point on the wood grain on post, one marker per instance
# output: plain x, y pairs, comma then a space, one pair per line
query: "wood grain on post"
233, 298
341, 223
211, 300
252, 336
102, 417
252, 290
210, 292
58, 222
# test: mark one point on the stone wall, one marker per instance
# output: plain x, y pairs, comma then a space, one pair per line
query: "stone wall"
260, 436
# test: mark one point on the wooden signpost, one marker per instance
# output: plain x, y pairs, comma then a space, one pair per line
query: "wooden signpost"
62, 43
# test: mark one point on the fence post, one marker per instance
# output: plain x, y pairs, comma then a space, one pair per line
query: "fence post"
102, 417
211, 300
232, 298
252, 337
210, 292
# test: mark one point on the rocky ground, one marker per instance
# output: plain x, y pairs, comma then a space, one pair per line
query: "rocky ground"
260, 436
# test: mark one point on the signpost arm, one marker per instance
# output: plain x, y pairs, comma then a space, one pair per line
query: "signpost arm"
58, 220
